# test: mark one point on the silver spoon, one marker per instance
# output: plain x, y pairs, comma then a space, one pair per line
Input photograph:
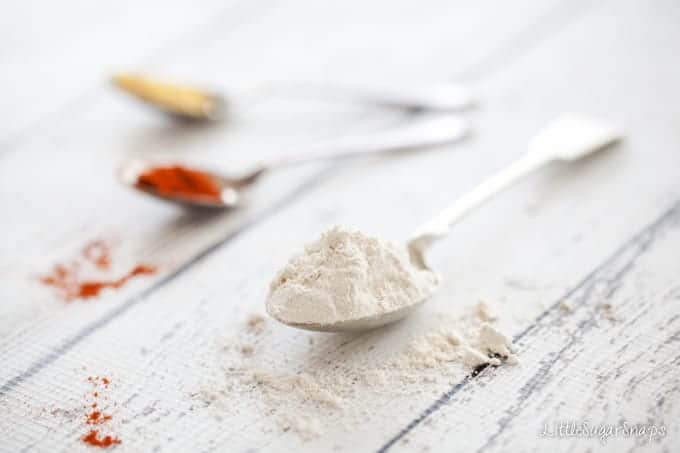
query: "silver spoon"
567, 139
194, 103
428, 132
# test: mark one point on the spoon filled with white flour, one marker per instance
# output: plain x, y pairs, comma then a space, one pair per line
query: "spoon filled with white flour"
350, 281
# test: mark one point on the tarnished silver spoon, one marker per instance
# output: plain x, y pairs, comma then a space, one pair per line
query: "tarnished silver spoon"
213, 189
567, 139
195, 103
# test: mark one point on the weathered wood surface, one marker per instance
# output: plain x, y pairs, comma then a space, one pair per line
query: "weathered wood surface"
602, 232
604, 354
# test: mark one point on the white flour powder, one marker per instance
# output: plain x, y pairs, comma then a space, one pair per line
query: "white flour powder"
332, 379
347, 275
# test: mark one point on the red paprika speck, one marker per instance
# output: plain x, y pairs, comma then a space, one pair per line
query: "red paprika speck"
98, 252
92, 438
96, 418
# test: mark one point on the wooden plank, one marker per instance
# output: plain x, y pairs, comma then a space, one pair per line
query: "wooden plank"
612, 357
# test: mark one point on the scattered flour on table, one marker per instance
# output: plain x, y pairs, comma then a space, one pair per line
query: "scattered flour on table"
607, 312
566, 306
331, 385
256, 324
347, 275
484, 312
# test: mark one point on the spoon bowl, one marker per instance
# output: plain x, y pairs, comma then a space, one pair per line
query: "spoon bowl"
230, 188
359, 324
179, 101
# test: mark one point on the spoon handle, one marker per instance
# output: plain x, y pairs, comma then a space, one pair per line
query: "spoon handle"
439, 226
441, 98
433, 131
568, 138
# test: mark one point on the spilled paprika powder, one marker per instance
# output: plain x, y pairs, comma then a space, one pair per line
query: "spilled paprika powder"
177, 180
98, 252
95, 418
70, 285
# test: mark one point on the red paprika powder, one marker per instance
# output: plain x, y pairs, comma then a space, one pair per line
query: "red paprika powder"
96, 418
93, 438
88, 289
177, 180
98, 252
67, 279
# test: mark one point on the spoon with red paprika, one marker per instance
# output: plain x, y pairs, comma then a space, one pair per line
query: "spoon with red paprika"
191, 186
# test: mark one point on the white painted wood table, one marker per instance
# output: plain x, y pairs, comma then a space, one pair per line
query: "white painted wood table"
602, 237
